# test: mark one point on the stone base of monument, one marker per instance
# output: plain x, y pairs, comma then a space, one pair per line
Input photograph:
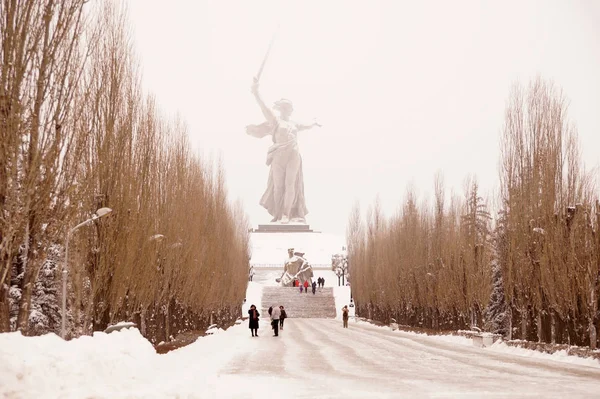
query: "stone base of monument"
283, 228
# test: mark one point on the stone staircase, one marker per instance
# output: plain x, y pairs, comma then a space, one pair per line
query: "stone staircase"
321, 305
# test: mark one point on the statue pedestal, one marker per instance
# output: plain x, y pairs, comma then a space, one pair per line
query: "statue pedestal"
283, 228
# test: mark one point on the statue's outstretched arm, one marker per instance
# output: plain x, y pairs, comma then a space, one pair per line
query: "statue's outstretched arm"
300, 126
267, 112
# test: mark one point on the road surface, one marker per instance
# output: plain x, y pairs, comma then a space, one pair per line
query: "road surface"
316, 358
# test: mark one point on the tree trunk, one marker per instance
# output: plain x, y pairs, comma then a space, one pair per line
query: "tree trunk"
552, 327
167, 324
524, 323
592, 316
539, 326
474, 317
510, 322
30, 276
4, 309
143, 321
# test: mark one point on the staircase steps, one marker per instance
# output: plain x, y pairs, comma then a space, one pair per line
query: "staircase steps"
297, 305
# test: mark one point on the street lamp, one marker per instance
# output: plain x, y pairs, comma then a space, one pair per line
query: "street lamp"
156, 237
99, 213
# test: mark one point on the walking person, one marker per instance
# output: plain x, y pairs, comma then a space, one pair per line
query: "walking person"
275, 320
306, 286
345, 312
314, 287
253, 316
282, 317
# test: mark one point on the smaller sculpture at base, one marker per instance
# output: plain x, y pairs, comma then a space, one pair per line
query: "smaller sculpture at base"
296, 268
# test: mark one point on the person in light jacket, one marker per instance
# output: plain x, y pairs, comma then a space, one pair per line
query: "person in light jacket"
275, 315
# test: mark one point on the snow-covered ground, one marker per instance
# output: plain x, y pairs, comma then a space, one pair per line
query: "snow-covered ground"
270, 249
342, 298
253, 297
311, 358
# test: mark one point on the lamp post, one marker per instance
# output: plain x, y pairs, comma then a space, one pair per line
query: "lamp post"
156, 237
99, 213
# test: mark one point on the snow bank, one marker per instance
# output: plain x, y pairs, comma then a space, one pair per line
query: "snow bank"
561, 356
47, 366
499, 346
121, 364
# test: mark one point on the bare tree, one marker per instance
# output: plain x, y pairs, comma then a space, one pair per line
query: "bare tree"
42, 62
434, 266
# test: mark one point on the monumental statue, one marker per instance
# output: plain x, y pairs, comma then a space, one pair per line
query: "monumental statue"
284, 196
295, 268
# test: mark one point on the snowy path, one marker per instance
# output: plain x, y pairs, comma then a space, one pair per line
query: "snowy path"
312, 358
317, 358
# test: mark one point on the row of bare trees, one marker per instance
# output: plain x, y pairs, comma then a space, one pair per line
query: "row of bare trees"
78, 134
426, 266
530, 272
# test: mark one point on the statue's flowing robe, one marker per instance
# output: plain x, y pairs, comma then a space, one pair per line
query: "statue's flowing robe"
267, 201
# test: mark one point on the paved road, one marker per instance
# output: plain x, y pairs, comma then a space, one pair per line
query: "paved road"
318, 358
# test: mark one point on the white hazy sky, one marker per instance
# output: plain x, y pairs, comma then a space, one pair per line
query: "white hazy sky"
403, 88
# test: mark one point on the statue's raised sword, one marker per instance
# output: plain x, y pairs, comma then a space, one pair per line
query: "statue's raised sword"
262, 66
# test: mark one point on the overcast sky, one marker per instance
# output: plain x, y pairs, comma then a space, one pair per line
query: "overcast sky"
403, 88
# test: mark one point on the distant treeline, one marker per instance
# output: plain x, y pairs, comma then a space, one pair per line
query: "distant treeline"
531, 271
78, 134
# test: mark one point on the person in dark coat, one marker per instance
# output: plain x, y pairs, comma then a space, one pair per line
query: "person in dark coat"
345, 314
314, 287
282, 317
253, 316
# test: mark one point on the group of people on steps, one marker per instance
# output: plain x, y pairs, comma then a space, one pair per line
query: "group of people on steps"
304, 286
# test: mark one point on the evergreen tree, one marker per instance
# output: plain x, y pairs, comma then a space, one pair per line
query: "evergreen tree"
45, 314
496, 311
